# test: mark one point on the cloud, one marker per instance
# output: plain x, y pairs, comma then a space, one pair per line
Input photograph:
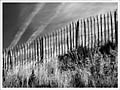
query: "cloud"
24, 26
42, 27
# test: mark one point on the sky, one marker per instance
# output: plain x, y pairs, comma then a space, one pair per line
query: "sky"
23, 22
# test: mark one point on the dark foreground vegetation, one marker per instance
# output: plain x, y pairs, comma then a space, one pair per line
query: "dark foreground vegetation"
79, 68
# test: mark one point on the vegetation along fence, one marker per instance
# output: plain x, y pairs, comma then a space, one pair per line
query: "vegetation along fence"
89, 33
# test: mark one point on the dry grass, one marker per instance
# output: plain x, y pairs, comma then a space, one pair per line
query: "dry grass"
78, 68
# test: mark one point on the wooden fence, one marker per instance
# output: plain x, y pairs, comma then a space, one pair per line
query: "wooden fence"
89, 33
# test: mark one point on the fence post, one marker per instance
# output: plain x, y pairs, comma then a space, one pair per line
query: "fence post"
38, 49
73, 37
5, 51
6, 59
70, 38
92, 32
101, 29
108, 24
94, 36
98, 31
52, 44
56, 43
81, 33
41, 44
85, 33
111, 27
65, 44
9, 57
31, 52
105, 28
3, 60
77, 34
88, 35
20, 55
26, 54
116, 27
67, 37
62, 41
43, 47
45, 56
16, 59
47, 46
23, 53
59, 41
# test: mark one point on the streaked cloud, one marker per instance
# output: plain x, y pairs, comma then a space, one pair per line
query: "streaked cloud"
42, 27
26, 24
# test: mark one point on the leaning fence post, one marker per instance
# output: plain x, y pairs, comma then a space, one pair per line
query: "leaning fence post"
98, 30
101, 29
59, 42
64, 41
105, 29
52, 44
3, 59
67, 37
56, 43
42, 48
85, 33
92, 32
88, 34
26, 55
10, 63
116, 27
47, 46
70, 37
77, 34
73, 39
82, 33
108, 25
36, 53
6, 57
16, 59
39, 49
23, 53
31, 51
